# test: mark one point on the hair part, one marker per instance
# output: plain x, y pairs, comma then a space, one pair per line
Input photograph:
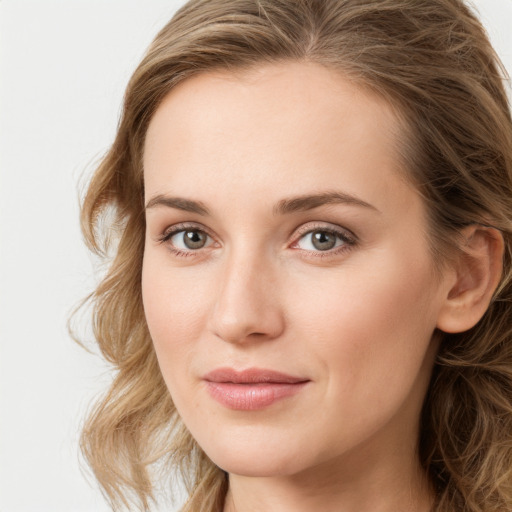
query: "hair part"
432, 61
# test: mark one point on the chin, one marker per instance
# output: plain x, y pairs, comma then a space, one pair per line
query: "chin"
271, 466
258, 456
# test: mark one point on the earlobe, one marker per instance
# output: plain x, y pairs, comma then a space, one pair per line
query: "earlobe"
478, 269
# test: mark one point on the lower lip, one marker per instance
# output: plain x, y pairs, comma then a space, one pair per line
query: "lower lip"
252, 396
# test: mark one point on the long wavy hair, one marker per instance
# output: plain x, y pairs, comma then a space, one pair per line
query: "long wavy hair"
432, 60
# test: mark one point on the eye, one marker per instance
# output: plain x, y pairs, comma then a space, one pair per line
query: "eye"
324, 239
181, 239
189, 239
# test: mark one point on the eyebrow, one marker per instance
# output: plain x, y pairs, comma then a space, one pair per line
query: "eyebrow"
283, 207
179, 203
310, 201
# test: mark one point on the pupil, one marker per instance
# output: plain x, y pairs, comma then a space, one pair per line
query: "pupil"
194, 239
323, 240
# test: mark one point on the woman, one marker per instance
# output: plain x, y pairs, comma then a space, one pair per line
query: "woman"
309, 306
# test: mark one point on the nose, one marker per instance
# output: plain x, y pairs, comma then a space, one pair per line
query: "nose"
247, 306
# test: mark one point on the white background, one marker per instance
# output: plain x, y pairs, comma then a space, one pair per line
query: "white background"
63, 68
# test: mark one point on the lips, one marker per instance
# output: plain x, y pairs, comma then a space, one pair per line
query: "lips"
251, 389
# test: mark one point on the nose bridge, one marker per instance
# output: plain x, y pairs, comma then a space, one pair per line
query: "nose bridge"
247, 305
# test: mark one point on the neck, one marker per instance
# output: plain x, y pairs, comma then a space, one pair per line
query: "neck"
379, 488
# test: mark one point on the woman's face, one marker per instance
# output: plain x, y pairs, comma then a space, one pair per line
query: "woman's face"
287, 281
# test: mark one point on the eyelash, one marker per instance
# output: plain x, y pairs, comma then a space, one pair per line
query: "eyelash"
349, 240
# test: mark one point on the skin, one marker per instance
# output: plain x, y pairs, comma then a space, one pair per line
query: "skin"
357, 321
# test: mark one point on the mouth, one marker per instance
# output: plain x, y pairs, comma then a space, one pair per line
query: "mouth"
251, 389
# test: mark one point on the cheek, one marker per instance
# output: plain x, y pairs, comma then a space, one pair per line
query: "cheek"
175, 308
371, 327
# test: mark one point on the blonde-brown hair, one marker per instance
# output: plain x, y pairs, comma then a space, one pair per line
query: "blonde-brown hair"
431, 59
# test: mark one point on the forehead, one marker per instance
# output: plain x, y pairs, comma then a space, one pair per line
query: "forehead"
291, 127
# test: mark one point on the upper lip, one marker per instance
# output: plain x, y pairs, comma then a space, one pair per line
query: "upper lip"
251, 376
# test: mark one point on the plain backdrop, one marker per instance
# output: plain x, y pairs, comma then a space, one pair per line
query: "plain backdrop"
63, 68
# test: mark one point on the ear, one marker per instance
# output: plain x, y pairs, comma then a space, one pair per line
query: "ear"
477, 272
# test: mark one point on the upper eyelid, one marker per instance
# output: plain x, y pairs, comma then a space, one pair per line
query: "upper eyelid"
326, 226
184, 226
302, 230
